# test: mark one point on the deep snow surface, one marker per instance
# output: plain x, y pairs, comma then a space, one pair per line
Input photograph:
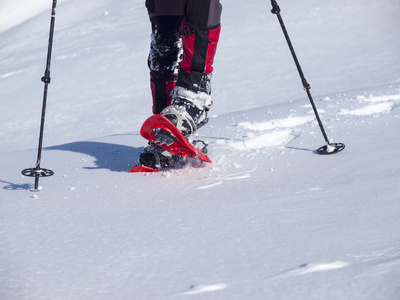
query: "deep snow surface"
268, 219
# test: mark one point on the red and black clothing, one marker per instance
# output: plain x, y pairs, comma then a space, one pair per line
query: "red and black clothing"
185, 35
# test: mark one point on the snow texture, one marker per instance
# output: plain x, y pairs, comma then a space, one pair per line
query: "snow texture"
268, 219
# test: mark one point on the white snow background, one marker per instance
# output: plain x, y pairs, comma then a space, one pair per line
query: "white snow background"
268, 219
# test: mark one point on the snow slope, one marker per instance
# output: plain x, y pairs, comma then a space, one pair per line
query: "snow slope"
269, 219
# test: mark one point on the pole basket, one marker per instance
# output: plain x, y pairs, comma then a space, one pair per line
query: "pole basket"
37, 172
330, 149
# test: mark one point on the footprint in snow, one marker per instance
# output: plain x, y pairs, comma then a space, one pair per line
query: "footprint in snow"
221, 179
199, 289
271, 133
375, 105
312, 268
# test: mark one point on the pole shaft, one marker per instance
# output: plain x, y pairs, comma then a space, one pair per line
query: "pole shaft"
296, 61
317, 116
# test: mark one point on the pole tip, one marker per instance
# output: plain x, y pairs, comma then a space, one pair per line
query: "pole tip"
36, 189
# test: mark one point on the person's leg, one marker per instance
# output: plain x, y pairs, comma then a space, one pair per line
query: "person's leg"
200, 35
191, 100
166, 19
163, 59
165, 49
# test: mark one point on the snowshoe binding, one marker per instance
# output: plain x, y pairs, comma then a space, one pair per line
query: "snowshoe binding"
158, 158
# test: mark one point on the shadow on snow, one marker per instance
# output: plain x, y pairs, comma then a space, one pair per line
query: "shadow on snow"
114, 157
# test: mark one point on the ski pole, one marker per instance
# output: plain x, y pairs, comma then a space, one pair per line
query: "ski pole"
329, 148
37, 171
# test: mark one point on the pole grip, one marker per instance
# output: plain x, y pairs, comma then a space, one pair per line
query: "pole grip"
275, 7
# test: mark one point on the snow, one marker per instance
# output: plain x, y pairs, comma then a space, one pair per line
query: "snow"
268, 219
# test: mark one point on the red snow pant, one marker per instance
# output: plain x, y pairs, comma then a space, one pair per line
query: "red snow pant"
184, 40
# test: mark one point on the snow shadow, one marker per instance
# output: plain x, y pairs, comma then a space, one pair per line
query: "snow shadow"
302, 149
15, 187
114, 157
